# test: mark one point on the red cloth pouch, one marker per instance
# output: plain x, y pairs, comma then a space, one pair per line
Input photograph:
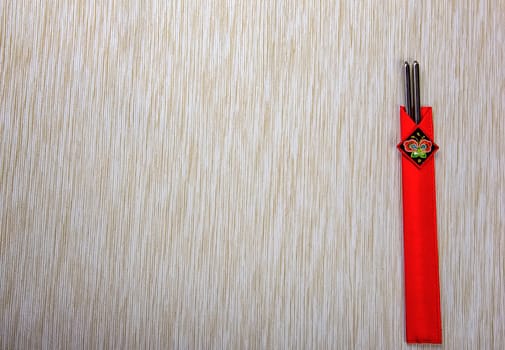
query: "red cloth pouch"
422, 286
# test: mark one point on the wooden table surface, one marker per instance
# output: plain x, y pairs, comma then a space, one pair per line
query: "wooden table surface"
223, 174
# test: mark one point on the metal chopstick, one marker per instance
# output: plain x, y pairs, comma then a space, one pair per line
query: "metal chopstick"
417, 94
408, 91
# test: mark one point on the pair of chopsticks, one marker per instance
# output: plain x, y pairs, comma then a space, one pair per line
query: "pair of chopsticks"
412, 100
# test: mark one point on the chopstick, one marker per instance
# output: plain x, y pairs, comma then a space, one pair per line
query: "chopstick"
417, 94
412, 92
408, 92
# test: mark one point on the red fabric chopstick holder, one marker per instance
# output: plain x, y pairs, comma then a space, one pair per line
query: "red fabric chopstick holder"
422, 286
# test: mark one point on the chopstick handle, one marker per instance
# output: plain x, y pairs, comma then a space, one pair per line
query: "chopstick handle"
408, 90
417, 94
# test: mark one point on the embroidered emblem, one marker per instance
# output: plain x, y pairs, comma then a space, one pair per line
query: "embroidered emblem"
418, 147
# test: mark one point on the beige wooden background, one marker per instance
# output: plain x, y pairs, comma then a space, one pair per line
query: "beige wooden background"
223, 174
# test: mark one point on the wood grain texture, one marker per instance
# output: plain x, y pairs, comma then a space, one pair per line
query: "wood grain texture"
223, 174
